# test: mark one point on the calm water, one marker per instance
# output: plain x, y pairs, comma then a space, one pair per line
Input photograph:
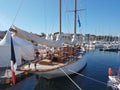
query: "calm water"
97, 64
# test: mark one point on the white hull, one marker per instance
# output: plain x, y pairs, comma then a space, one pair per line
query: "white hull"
114, 82
76, 66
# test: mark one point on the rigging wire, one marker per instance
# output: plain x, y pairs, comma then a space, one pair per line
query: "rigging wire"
17, 12
88, 77
45, 16
67, 18
69, 23
70, 79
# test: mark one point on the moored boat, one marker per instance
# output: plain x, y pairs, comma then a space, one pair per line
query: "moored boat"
59, 58
51, 68
114, 80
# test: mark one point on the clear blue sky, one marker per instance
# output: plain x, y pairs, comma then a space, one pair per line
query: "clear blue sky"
101, 17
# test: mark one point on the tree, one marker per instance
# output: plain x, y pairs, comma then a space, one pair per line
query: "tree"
43, 34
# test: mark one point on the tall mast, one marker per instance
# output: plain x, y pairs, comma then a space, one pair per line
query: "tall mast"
75, 12
60, 14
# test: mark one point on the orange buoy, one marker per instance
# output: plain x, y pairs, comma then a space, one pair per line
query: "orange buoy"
110, 71
26, 73
8, 81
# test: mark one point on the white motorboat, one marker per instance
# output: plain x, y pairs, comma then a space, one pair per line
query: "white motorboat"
114, 80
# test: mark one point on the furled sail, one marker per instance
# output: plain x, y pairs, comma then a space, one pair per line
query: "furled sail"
32, 37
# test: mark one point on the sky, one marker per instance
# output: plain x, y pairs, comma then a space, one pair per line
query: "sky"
100, 17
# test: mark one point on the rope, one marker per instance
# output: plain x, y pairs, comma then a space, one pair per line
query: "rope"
17, 12
70, 79
88, 77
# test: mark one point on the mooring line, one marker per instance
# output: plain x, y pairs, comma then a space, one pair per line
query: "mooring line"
70, 79
88, 77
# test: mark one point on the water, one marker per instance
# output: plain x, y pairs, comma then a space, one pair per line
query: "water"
98, 63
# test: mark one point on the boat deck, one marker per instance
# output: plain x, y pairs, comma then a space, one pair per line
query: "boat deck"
51, 62
43, 65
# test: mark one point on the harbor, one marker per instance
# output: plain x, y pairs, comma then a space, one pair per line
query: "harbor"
97, 69
93, 77
59, 45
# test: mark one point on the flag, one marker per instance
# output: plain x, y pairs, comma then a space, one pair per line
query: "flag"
79, 21
13, 62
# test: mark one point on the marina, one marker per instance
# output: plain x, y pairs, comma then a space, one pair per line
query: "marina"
96, 70
65, 56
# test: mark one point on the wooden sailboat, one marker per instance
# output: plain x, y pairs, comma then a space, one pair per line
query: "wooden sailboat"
67, 58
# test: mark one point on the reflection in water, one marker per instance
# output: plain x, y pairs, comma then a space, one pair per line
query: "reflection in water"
55, 84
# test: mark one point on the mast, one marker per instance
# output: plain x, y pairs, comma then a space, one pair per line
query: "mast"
75, 12
60, 14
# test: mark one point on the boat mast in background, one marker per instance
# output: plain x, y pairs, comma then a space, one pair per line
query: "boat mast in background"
60, 15
75, 12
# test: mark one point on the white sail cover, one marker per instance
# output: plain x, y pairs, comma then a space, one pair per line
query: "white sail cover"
23, 49
32, 37
59, 40
74, 39
48, 37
